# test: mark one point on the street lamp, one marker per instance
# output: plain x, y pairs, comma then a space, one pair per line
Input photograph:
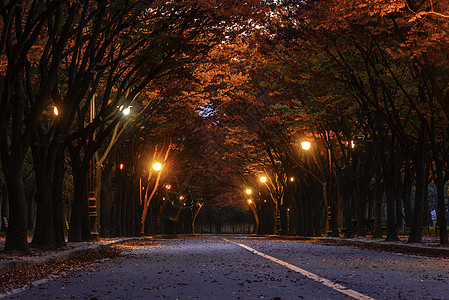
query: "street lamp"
263, 179
96, 167
125, 110
55, 111
157, 166
305, 145
256, 218
292, 179
249, 191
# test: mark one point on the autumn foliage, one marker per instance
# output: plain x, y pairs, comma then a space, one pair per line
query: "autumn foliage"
224, 93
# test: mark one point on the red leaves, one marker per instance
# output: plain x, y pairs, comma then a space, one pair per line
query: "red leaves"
69, 268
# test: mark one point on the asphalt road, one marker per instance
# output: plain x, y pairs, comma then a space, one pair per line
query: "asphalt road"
211, 267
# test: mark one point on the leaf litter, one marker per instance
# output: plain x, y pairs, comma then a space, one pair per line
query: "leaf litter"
68, 268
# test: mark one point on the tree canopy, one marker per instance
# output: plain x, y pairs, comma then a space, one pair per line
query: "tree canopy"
223, 94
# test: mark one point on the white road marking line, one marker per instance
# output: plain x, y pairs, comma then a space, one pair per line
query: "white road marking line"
19, 290
326, 282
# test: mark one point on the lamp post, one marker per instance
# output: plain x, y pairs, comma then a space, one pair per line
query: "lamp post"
305, 145
93, 209
125, 110
157, 166
95, 170
251, 205
274, 197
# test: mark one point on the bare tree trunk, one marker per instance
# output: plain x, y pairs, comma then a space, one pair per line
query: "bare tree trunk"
16, 234
392, 234
441, 207
406, 191
5, 209
148, 199
378, 195
79, 229
416, 229
31, 208
105, 211
44, 230
57, 191
420, 180
195, 216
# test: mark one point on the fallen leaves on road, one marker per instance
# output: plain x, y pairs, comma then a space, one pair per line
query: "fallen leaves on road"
36, 252
155, 242
67, 268
140, 243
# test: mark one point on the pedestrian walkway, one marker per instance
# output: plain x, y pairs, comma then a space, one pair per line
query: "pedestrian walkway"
11, 262
429, 246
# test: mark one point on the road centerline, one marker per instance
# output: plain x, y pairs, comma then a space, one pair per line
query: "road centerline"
333, 285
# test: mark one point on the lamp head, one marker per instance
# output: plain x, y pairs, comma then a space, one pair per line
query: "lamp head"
305, 145
157, 166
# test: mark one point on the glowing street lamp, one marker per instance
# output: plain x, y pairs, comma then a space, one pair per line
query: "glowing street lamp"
55, 111
121, 166
157, 166
292, 179
305, 145
127, 110
253, 210
168, 186
263, 179
249, 191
